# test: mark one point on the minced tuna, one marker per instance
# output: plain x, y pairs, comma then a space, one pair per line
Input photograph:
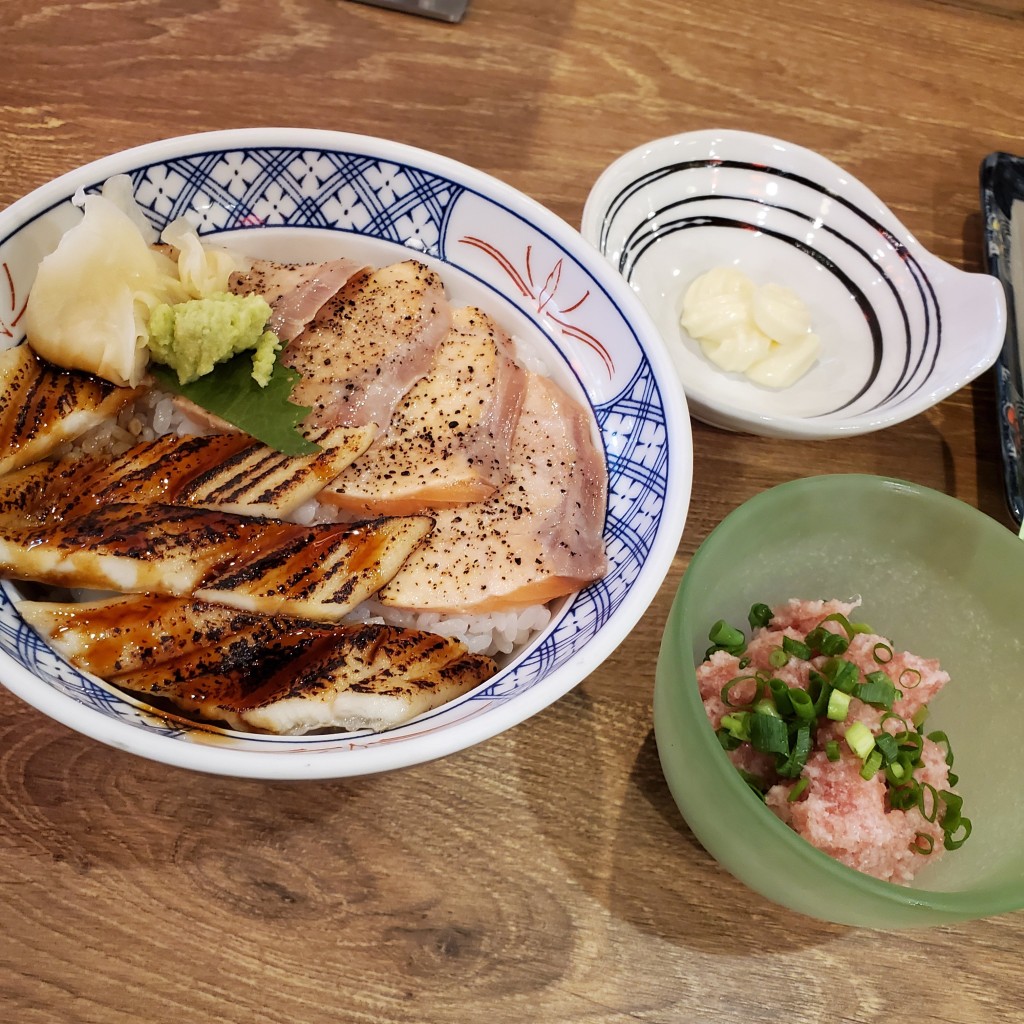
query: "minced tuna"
858, 821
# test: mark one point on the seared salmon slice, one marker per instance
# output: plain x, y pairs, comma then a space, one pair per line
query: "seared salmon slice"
295, 291
539, 537
230, 472
42, 406
368, 345
261, 565
268, 673
449, 438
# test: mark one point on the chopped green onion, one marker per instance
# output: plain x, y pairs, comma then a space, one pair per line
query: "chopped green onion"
766, 706
954, 803
902, 767
768, 734
888, 746
826, 642
871, 765
777, 657
780, 694
909, 678
794, 764
877, 690
920, 716
911, 744
923, 843
923, 788
801, 703
838, 706
843, 675
833, 644
951, 841
905, 795
759, 615
724, 634
882, 653
738, 725
832, 750
735, 681
725, 638
850, 629
819, 689
727, 740
797, 791
943, 741
797, 648
859, 739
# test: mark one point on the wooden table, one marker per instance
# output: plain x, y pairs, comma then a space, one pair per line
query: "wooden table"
546, 875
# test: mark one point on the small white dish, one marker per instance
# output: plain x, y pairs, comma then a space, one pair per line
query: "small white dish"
900, 329
303, 194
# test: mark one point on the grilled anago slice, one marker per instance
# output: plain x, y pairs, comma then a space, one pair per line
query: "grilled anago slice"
42, 406
131, 631
272, 674
262, 565
262, 482
230, 472
24, 491
365, 676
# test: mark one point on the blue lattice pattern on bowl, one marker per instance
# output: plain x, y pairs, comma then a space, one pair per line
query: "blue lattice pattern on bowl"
324, 193
299, 188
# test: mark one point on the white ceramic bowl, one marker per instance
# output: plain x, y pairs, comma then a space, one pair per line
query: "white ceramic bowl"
900, 328
304, 194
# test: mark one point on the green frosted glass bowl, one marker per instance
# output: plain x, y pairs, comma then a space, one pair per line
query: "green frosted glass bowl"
939, 578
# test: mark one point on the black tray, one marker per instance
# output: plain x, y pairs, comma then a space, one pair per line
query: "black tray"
1002, 182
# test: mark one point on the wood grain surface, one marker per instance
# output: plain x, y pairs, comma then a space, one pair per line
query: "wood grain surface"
545, 875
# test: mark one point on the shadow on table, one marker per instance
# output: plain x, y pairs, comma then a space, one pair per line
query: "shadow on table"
631, 849
732, 918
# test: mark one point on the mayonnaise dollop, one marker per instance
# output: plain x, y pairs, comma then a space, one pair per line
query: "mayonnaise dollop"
761, 331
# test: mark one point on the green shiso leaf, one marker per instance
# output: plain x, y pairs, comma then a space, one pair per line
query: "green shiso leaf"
229, 392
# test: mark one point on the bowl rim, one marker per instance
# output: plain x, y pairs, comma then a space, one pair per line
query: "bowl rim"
948, 905
725, 414
295, 764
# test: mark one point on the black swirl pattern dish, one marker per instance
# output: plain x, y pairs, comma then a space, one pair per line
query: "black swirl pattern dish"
900, 328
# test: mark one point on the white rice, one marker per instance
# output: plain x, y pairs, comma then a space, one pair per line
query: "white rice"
150, 416
156, 413
496, 633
